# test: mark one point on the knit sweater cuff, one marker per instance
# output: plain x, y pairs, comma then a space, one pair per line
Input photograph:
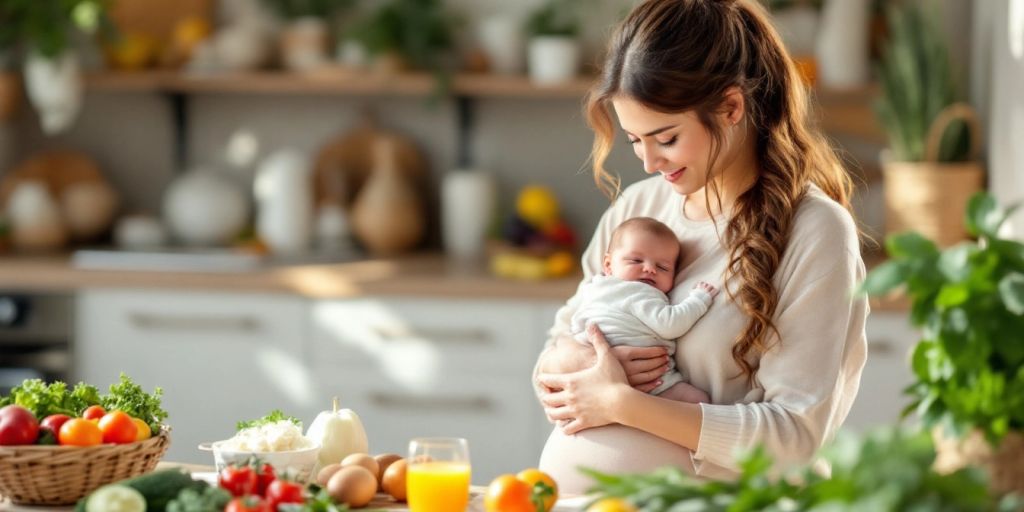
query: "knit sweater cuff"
719, 435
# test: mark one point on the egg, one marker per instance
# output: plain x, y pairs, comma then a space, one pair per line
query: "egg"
326, 473
383, 461
393, 481
364, 460
354, 486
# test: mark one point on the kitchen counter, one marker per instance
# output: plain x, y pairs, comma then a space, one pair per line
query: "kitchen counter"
427, 275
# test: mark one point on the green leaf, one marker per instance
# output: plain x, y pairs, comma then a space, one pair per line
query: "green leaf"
1011, 290
273, 417
954, 263
884, 278
984, 215
910, 245
952, 296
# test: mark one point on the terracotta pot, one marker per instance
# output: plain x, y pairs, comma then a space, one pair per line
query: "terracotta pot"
1003, 464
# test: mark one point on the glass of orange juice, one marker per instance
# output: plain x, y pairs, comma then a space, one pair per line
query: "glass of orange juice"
438, 474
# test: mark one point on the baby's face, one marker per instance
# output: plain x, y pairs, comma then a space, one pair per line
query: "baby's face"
641, 256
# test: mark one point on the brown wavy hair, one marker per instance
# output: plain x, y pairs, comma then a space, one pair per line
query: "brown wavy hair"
675, 56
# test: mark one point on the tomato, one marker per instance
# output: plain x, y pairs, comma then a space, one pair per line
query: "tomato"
238, 480
248, 504
542, 486
508, 494
142, 430
611, 505
93, 412
282, 491
118, 428
18, 426
264, 477
80, 432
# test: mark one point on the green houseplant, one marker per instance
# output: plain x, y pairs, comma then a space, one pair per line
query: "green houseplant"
969, 365
554, 49
46, 26
931, 167
420, 33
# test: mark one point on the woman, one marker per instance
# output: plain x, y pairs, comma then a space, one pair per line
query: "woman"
712, 105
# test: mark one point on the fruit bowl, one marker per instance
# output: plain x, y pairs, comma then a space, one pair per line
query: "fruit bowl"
298, 463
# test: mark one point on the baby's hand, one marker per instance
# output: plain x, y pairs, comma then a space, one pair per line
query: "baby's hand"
708, 288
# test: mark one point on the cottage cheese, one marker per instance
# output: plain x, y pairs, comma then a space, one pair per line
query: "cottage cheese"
273, 437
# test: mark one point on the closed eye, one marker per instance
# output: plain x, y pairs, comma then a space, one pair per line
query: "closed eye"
663, 268
668, 142
632, 141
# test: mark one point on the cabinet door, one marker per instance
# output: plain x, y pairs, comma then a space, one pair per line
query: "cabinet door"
219, 358
891, 340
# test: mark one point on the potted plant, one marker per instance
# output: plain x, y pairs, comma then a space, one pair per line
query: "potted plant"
407, 33
43, 30
554, 49
305, 37
969, 365
931, 168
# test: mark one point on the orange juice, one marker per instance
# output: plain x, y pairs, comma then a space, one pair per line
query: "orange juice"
438, 487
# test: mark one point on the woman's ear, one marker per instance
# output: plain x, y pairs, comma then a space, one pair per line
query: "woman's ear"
733, 107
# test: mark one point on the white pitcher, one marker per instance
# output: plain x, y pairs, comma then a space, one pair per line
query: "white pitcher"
284, 198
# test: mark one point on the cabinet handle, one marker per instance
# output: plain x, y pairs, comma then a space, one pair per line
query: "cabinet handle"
439, 335
407, 402
882, 347
149, 321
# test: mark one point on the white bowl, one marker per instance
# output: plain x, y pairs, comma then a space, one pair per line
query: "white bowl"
299, 463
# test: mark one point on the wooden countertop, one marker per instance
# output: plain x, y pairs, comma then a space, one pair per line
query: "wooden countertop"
426, 275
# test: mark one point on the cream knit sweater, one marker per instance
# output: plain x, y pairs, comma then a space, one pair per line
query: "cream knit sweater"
805, 385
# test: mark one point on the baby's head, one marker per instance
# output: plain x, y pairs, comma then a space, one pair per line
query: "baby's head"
643, 249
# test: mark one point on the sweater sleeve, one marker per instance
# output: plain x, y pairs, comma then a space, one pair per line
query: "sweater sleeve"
670, 321
806, 383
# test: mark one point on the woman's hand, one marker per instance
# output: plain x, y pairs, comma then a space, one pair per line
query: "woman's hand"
586, 398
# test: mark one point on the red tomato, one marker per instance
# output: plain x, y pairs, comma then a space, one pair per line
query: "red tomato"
238, 480
283, 491
248, 504
264, 476
93, 412
118, 428
18, 426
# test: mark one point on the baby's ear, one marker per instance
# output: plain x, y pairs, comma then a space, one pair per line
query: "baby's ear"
606, 264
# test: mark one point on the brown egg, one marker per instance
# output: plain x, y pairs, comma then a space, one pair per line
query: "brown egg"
383, 461
364, 460
354, 486
326, 473
393, 481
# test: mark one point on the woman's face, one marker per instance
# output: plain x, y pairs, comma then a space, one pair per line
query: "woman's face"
675, 145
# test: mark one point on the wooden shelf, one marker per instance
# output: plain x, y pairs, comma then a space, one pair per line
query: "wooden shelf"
332, 82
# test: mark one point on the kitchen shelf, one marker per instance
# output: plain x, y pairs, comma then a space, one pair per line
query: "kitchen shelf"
332, 83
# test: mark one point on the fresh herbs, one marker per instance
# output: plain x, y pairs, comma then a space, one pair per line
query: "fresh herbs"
209, 499
274, 417
129, 397
46, 399
969, 302
890, 470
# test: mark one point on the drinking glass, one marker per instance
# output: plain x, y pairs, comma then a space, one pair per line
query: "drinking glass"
438, 474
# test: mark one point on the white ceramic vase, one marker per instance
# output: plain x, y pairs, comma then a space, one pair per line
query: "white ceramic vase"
842, 47
204, 207
284, 199
501, 39
54, 88
553, 59
467, 205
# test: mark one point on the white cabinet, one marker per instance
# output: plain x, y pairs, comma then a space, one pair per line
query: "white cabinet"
417, 367
887, 373
219, 357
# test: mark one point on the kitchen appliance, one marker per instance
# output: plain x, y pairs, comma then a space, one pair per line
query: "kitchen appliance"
35, 337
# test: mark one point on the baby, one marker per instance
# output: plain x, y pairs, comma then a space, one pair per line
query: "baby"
628, 302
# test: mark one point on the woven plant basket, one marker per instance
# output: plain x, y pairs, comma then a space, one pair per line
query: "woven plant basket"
61, 475
1004, 465
930, 197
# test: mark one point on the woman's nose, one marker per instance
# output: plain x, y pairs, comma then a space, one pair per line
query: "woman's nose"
652, 161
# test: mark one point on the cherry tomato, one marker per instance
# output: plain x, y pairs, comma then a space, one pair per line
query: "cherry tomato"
248, 504
118, 428
80, 432
93, 412
238, 480
282, 491
264, 477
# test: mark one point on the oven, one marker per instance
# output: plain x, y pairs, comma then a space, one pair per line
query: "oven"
35, 337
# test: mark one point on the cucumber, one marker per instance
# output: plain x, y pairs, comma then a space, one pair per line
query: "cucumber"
158, 488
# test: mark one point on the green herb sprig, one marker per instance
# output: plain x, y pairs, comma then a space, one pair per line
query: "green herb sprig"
273, 417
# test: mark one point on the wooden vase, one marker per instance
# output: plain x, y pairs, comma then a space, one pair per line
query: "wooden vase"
387, 215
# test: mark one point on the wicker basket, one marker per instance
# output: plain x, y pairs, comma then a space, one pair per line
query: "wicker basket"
61, 475
1003, 464
931, 197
